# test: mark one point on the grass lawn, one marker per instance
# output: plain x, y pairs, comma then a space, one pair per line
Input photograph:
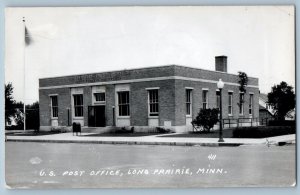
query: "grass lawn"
227, 133
135, 134
32, 133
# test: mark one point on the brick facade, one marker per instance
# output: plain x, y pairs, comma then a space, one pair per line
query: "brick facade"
171, 83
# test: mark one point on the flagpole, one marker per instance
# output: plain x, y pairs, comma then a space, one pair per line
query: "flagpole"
24, 108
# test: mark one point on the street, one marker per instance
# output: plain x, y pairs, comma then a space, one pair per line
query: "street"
66, 165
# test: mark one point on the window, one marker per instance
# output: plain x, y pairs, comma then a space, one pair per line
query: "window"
54, 106
218, 99
251, 104
204, 99
241, 104
229, 103
123, 103
99, 97
153, 102
78, 105
188, 93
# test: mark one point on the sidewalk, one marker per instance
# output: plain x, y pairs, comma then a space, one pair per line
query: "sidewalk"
153, 140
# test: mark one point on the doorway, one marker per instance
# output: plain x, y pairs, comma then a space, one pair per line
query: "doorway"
97, 116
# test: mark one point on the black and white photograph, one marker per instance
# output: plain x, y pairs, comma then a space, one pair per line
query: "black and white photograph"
150, 97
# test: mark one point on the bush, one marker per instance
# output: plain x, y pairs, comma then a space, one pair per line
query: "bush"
124, 130
262, 132
206, 118
14, 127
162, 130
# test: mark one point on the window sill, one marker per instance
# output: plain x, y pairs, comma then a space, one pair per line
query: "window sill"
123, 117
54, 118
188, 116
99, 103
78, 117
155, 117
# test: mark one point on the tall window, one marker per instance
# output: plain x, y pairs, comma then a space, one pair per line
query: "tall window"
123, 103
78, 105
218, 99
229, 103
99, 97
188, 93
54, 106
153, 102
204, 99
251, 104
241, 104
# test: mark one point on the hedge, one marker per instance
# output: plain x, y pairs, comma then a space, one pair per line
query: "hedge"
281, 123
262, 132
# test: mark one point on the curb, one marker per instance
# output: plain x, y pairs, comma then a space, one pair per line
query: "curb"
130, 142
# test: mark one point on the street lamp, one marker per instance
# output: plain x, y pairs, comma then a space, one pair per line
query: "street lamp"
220, 85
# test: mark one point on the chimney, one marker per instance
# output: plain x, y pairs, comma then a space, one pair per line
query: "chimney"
221, 63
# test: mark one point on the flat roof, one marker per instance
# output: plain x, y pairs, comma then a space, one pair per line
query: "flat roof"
141, 68
141, 73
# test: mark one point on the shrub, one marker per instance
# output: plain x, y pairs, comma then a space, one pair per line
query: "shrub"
162, 130
206, 118
124, 130
14, 127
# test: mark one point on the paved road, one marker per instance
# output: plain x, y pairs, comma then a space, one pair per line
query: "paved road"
46, 165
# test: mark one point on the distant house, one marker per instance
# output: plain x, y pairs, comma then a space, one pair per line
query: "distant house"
13, 119
291, 115
11, 122
266, 111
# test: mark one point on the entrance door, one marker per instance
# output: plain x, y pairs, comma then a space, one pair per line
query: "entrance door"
97, 116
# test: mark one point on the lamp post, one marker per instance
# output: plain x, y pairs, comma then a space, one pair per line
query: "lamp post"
220, 85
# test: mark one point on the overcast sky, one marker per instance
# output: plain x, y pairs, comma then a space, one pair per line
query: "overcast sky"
257, 40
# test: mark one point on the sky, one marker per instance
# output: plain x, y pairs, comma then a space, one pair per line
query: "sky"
257, 40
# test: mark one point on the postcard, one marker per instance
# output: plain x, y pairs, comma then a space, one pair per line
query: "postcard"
150, 97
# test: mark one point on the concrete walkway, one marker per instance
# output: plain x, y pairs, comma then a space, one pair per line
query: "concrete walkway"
153, 140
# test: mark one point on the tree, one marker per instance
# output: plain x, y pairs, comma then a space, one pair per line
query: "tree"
32, 116
206, 118
9, 102
243, 81
18, 114
282, 99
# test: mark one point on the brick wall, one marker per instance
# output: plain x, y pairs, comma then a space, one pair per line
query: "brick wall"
87, 101
109, 76
64, 103
139, 102
180, 87
110, 103
210, 75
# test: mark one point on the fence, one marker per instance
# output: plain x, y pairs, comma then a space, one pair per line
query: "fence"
240, 122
